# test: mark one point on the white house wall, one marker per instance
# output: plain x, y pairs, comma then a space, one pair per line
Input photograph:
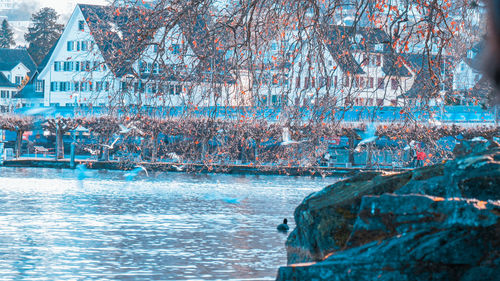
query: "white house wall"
74, 94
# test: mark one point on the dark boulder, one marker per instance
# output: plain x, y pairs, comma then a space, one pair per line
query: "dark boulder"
414, 237
439, 222
325, 219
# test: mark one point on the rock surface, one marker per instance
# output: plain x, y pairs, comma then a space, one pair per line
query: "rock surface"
440, 222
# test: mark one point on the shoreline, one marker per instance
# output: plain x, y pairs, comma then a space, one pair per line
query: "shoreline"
195, 168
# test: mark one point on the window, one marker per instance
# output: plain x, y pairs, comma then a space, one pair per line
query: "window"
156, 68
4, 94
394, 84
360, 82
81, 25
346, 81
176, 49
64, 86
84, 46
19, 80
370, 82
78, 45
379, 47
76, 86
380, 102
77, 66
98, 86
380, 83
57, 66
106, 86
87, 65
54, 86
71, 46
297, 82
39, 86
68, 66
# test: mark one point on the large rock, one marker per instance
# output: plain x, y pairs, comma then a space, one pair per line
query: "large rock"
325, 219
414, 237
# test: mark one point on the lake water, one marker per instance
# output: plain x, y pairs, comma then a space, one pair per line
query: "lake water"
163, 227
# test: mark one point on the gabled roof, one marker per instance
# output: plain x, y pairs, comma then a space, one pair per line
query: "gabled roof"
116, 32
46, 59
428, 72
4, 82
343, 41
9, 58
340, 47
475, 63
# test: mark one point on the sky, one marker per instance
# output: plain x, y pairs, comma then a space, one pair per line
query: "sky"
65, 7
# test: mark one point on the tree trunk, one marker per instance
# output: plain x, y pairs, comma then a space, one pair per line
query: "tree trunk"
59, 145
351, 150
154, 152
19, 142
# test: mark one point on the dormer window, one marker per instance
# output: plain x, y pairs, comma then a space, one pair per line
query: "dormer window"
19, 80
81, 25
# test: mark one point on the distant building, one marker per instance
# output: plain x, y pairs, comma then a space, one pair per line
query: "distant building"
434, 76
468, 70
6, 5
352, 66
16, 70
470, 86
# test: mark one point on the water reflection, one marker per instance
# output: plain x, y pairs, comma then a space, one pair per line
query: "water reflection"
166, 226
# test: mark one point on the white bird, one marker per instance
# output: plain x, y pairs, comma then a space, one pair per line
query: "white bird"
480, 139
174, 156
91, 151
286, 137
129, 176
112, 144
178, 168
143, 168
367, 137
125, 130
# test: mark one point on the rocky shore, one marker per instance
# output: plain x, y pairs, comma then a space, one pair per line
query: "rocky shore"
438, 222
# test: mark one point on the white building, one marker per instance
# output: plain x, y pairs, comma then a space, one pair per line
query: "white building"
350, 67
16, 69
468, 71
93, 64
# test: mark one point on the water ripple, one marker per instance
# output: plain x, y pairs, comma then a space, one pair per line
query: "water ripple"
166, 227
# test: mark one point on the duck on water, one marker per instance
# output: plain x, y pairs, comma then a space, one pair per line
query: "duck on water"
284, 226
